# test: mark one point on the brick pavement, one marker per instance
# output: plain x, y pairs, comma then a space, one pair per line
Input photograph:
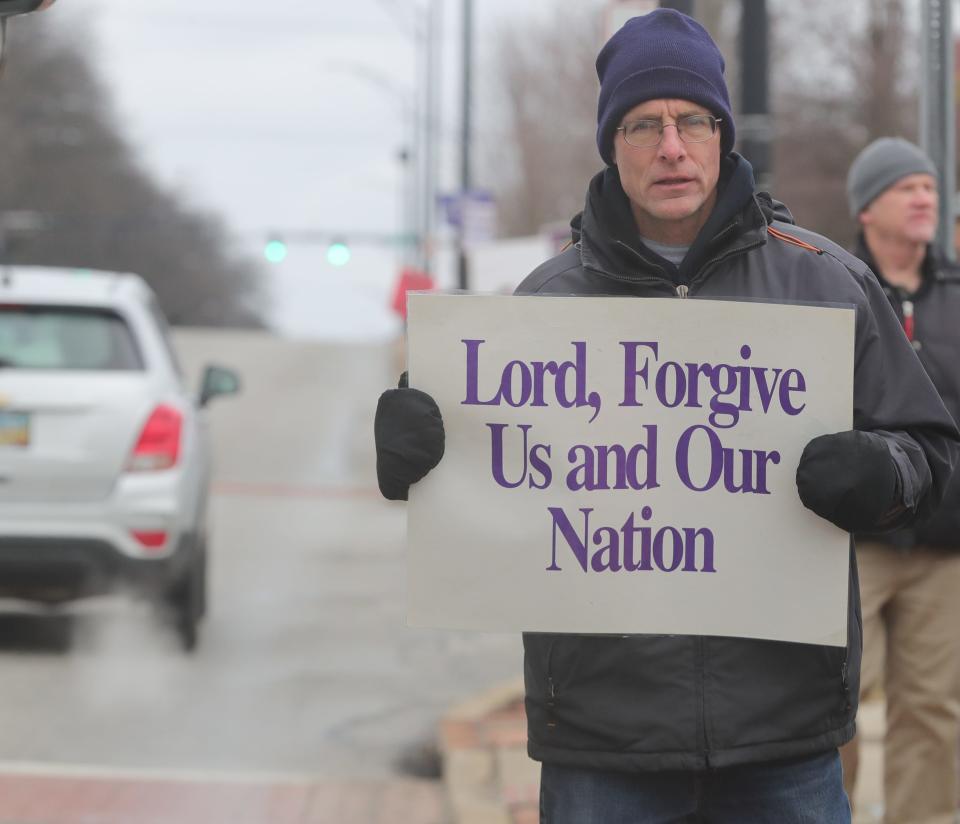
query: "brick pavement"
103, 799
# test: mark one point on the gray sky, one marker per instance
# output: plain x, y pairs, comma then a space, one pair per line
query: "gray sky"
259, 111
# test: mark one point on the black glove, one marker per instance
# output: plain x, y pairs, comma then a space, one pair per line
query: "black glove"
850, 479
408, 431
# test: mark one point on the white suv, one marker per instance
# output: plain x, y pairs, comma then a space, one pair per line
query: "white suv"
104, 454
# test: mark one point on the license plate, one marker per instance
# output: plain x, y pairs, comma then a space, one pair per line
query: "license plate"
14, 429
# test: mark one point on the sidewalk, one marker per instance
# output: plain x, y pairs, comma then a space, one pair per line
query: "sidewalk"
73, 797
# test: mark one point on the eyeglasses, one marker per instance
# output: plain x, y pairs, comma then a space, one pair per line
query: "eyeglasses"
694, 128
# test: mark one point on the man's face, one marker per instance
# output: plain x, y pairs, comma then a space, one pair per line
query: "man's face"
672, 186
906, 212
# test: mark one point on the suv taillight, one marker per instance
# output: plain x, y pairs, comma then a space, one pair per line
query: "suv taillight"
158, 446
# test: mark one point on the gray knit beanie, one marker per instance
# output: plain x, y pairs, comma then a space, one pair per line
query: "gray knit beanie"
879, 166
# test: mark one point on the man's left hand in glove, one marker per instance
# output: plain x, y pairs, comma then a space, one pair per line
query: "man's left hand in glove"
851, 479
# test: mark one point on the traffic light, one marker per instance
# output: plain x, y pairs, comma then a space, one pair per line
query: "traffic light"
275, 250
338, 253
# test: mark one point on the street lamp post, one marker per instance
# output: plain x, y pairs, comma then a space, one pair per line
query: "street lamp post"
423, 23
409, 156
937, 112
431, 127
754, 122
463, 278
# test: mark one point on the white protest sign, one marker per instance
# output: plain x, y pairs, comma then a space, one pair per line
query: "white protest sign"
627, 465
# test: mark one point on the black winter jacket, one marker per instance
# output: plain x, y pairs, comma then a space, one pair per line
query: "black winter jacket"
644, 702
932, 315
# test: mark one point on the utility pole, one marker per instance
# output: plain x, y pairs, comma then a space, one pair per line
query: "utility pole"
937, 112
463, 279
430, 127
754, 121
419, 157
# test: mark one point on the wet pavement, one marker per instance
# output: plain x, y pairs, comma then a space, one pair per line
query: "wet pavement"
305, 668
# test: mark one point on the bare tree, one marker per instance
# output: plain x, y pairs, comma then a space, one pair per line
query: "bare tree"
845, 75
546, 153
66, 160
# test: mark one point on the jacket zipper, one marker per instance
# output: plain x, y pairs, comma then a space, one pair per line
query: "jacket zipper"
649, 263
908, 323
846, 687
654, 283
701, 275
701, 682
551, 690
683, 290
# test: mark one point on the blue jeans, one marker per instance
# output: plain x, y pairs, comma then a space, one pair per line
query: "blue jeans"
799, 791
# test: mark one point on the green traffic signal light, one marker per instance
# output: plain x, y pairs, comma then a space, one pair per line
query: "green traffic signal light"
338, 253
275, 251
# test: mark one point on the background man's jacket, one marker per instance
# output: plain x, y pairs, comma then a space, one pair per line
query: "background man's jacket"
932, 319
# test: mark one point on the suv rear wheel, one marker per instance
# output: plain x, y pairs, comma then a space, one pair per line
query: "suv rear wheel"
188, 598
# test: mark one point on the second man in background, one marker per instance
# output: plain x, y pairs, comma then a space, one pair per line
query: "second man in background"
910, 579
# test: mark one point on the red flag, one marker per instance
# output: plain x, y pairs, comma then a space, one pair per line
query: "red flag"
410, 280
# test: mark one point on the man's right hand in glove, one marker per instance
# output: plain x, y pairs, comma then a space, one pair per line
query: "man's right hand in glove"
408, 431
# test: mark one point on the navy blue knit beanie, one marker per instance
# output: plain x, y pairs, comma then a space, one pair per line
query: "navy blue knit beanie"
660, 55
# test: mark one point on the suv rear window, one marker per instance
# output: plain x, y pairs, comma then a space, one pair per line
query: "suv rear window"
65, 337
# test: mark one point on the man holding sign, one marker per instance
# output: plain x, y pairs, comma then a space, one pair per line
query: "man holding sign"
650, 728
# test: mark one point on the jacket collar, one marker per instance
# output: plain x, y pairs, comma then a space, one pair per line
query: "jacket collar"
610, 243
